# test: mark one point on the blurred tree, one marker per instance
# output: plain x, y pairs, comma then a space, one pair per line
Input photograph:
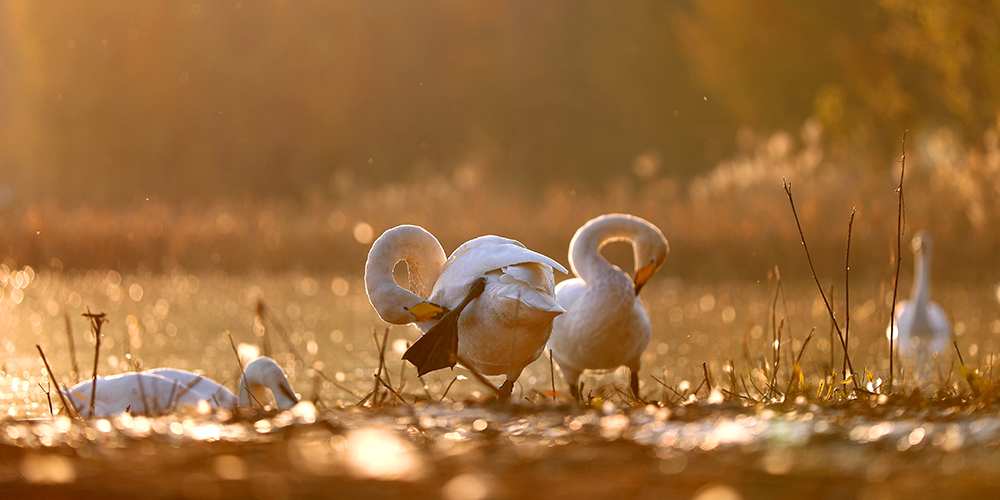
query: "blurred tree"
121, 100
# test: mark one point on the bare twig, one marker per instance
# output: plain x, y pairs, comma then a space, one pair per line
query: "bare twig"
260, 322
900, 226
243, 375
847, 292
282, 332
552, 375
479, 376
829, 309
72, 346
70, 409
96, 321
446, 389
48, 396
797, 367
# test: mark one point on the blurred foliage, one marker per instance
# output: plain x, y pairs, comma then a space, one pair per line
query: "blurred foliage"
122, 100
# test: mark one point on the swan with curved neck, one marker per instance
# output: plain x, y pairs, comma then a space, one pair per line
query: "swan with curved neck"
923, 329
605, 325
163, 390
488, 306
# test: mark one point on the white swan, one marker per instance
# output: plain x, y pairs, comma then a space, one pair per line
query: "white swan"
922, 327
605, 325
490, 305
163, 390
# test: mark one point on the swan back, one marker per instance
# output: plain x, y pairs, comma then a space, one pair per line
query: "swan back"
139, 393
214, 391
263, 373
424, 258
524, 274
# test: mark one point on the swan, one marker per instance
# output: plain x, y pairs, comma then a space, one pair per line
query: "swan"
489, 306
922, 327
605, 325
166, 389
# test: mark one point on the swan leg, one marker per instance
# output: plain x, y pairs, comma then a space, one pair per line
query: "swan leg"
506, 389
633, 369
438, 348
572, 378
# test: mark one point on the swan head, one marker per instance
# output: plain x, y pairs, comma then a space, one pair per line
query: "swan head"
651, 250
921, 242
263, 373
424, 258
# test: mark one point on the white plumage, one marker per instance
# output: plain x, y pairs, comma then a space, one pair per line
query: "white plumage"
922, 328
605, 325
492, 293
163, 390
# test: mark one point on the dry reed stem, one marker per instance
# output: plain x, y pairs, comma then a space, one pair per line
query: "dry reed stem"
70, 410
847, 291
48, 396
265, 340
72, 346
282, 332
552, 375
812, 269
243, 375
96, 321
797, 367
900, 226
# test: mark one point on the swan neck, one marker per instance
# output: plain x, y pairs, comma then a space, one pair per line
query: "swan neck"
921, 277
585, 257
424, 258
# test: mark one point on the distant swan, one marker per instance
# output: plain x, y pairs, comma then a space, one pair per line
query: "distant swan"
163, 390
490, 305
605, 325
922, 326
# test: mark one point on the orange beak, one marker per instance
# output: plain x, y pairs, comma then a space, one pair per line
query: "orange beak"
426, 311
642, 275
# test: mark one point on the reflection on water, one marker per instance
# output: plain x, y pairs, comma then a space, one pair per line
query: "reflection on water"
321, 330
323, 333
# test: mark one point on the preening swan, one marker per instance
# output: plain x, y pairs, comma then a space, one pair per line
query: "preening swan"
263, 373
605, 325
923, 328
490, 305
167, 389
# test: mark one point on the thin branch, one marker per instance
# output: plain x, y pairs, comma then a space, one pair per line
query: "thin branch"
96, 321
829, 309
243, 374
900, 226
70, 410
72, 346
847, 291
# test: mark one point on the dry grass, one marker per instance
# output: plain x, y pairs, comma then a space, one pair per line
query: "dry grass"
731, 223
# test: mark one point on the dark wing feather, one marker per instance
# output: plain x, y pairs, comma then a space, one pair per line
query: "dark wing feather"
436, 349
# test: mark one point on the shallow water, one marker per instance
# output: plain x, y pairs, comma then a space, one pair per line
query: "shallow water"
449, 445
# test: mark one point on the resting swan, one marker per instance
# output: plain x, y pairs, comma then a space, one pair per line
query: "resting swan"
489, 306
167, 389
922, 327
605, 325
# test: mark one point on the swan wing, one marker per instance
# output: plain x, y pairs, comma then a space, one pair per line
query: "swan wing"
481, 255
531, 283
